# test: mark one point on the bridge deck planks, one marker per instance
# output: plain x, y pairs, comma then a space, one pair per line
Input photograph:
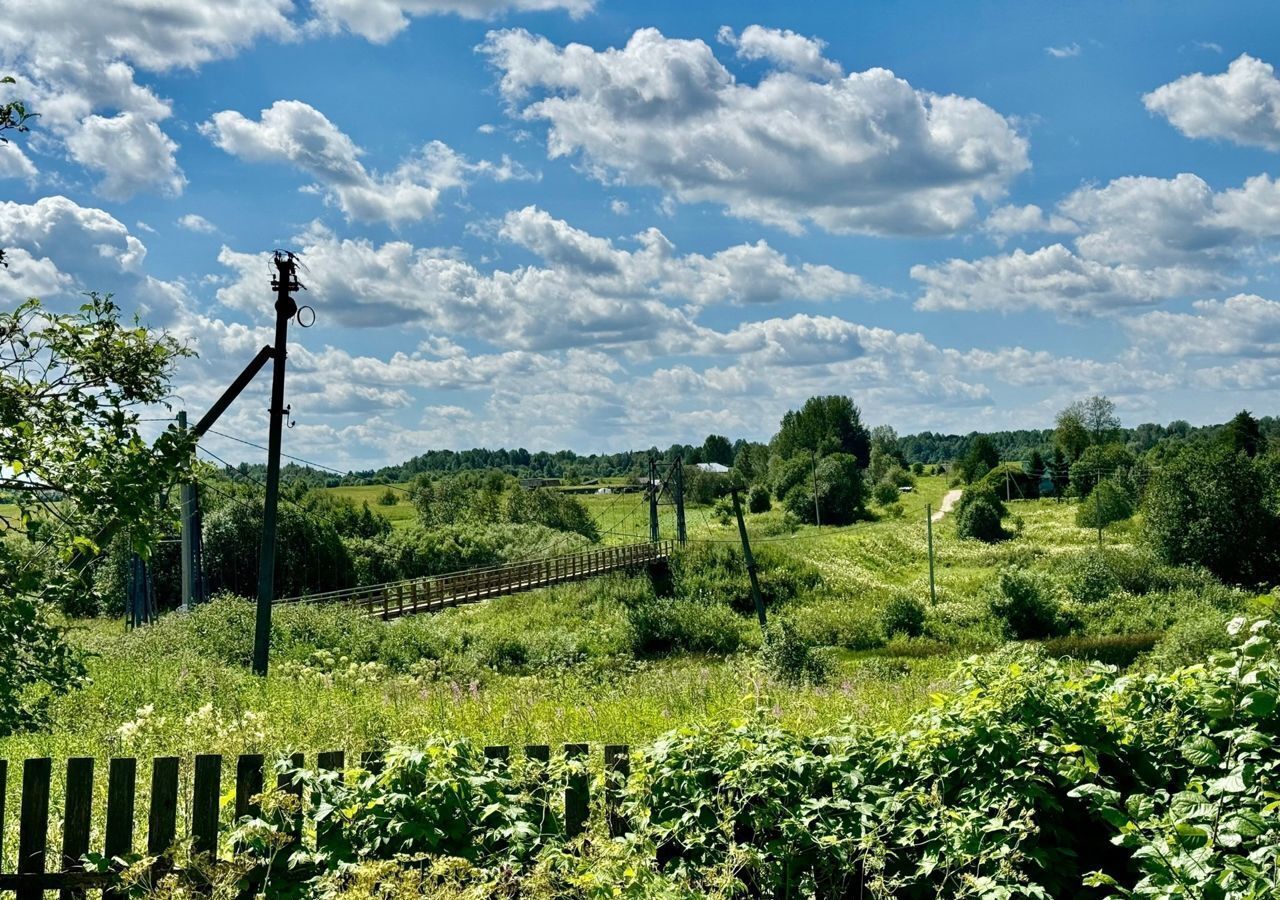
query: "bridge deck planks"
423, 595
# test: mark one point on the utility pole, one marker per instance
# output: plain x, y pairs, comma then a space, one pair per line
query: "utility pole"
928, 519
751, 561
653, 499
817, 516
286, 280
188, 498
682, 533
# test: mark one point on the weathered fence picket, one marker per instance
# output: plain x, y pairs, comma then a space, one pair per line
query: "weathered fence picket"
203, 832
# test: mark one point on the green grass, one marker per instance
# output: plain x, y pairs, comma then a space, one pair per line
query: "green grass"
401, 514
176, 689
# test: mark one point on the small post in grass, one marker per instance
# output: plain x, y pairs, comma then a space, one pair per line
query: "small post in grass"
928, 521
751, 561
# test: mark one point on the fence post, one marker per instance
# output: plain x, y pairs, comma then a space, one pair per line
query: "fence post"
576, 791
4, 792
286, 783
75, 820
540, 753
204, 806
332, 761
33, 826
617, 768
162, 822
122, 782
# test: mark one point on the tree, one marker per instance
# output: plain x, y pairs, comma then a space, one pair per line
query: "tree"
981, 459
717, 449
829, 424
1244, 435
1209, 506
310, 554
14, 117
1070, 435
842, 492
1085, 422
71, 386
1097, 463
752, 461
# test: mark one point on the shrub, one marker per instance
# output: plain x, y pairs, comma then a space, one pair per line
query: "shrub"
842, 492
885, 492
1027, 605
664, 626
310, 554
1108, 502
837, 622
979, 519
551, 509
1210, 507
388, 498
717, 574
790, 657
1091, 579
903, 614
758, 500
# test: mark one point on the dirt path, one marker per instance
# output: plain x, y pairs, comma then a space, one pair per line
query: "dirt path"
948, 501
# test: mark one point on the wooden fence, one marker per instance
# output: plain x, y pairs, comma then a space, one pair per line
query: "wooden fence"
432, 594
39, 870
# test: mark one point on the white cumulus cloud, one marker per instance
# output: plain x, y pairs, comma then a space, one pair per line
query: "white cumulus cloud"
864, 153
381, 20
293, 132
1241, 105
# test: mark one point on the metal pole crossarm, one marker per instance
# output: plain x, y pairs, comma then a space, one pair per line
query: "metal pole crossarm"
230, 394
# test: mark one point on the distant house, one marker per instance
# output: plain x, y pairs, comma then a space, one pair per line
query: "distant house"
539, 482
716, 468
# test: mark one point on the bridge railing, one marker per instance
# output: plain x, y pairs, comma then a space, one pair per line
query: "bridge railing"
395, 598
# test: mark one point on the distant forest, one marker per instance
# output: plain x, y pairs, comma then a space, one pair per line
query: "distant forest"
927, 447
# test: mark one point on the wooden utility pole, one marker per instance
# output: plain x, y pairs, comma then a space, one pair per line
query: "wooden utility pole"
653, 499
751, 561
286, 280
189, 500
817, 516
682, 533
928, 520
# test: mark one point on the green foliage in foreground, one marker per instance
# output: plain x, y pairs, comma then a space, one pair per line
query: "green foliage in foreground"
1034, 779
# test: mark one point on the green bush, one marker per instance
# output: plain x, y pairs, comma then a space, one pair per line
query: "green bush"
310, 554
903, 614
842, 492
1108, 502
979, 519
663, 626
551, 509
837, 622
790, 657
1212, 507
716, 574
885, 492
1027, 604
758, 500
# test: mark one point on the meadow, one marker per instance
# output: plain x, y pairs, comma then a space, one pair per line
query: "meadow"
616, 660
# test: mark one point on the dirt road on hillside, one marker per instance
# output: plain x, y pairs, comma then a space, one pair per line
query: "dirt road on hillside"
950, 500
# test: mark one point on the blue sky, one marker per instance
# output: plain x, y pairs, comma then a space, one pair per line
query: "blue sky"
603, 225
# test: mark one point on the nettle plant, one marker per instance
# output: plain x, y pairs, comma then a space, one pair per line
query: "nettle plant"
1213, 831
1037, 778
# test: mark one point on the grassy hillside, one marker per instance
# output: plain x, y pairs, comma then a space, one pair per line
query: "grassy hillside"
400, 514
